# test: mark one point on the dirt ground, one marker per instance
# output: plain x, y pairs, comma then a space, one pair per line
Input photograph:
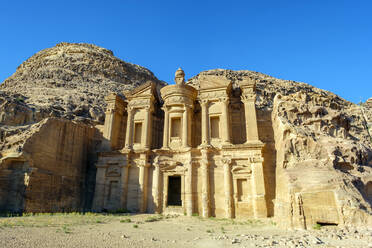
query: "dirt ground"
145, 230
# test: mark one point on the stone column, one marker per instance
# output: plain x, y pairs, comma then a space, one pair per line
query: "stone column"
166, 128
124, 185
114, 115
205, 123
205, 184
146, 134
258, 189
250, 117
188, 189
225, 121
128, 136
185, 127
156, 187
99, 194
142, 193
228, 186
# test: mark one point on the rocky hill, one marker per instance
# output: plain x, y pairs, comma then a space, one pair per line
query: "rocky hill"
70, 81
52, 101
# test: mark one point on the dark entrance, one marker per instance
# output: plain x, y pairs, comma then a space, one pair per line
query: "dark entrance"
174, 191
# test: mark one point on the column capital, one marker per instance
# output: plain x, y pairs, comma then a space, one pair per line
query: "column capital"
165, 108
142, 163
188, 106
256, 160
225, 99
130, 109
248, 97
226, 161
204, 102
110, 111
149, 108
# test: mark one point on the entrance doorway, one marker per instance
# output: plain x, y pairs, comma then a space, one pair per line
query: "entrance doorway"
174, 191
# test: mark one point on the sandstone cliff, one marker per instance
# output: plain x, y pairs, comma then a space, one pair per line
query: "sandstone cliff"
46, 161
318, 153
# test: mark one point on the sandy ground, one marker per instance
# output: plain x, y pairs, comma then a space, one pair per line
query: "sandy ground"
167, 231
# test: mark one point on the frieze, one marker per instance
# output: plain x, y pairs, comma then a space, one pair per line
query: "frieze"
213, 95
140, 103
113, 171
178, 100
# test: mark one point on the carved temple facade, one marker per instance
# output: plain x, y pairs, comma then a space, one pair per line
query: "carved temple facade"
183, 149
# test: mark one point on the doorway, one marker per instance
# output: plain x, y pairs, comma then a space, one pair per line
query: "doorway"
174, 191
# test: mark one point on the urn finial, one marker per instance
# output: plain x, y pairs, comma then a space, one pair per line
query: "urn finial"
179, 76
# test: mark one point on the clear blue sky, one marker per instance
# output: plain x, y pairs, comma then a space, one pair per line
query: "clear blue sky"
325, 43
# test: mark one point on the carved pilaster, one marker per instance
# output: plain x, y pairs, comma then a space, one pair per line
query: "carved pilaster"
129, 133
156, 184
205, 123
188, 188
143, 178
248, 97
114, 116
205, 184
100, 188
124, 185
185, 127
228, 187
146, 136
166, 128
225, 121
258, 188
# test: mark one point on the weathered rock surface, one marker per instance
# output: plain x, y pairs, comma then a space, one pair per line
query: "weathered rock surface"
319, 151
367, 112
45, 163
53, 170
71, 80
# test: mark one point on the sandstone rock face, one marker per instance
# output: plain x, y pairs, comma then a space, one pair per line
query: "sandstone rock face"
54, 171
45, 163
367, 112
318, 153
323, 167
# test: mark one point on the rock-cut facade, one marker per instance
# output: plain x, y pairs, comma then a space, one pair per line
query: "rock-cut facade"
183, 149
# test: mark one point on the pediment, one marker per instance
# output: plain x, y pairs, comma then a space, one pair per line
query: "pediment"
145, 90
213, 82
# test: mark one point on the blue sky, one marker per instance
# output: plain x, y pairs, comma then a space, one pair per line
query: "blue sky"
325, 43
